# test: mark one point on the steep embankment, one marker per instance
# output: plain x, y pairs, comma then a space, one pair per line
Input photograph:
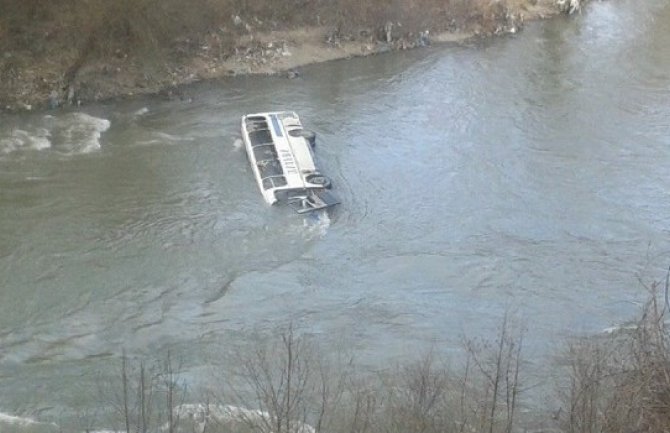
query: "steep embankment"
54, 53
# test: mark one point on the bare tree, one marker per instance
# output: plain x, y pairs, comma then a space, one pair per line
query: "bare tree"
498, 367
144, 397
620, 383
290, 383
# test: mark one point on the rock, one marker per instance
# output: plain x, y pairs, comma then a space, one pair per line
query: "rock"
333, 38
423, 39
383, 48
575, 6
293, 74
388, 29
176, 93
70, 95
54, 100
569, 6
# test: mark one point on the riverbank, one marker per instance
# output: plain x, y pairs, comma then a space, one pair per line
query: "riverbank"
617, 382
52, 56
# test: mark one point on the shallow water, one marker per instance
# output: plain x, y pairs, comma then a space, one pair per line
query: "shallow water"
527, 173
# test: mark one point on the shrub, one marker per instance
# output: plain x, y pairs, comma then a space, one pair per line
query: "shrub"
621, 383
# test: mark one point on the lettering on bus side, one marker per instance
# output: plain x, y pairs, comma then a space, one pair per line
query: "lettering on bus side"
288, 162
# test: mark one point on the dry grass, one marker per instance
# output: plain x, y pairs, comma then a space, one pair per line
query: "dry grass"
102, 28
285, 384
45, 45
621, 383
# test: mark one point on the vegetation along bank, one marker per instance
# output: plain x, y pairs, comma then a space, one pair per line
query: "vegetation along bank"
60, 52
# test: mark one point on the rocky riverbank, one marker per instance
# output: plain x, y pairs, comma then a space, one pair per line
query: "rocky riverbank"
44, 65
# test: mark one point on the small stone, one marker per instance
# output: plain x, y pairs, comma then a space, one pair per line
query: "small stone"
424, 39
70, 95
388, 29
54, 100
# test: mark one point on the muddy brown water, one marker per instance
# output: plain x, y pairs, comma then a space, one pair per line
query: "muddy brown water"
528, 173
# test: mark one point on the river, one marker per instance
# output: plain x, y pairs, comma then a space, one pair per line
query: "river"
525, 174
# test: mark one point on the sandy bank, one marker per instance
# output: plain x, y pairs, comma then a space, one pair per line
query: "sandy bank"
37, 82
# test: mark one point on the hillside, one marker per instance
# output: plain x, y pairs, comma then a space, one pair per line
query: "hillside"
57, 52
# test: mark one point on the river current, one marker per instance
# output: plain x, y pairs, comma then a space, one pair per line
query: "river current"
525, 174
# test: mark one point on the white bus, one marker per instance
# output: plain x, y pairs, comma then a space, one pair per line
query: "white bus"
280, 152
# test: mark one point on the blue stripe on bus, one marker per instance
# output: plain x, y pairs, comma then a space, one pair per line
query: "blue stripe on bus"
275, 125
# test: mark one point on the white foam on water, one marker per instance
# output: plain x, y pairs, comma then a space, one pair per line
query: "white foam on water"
147, 142
107, 431
20, 421
619, 328
81, 132
35, 139
10, 144
39, 139
163, 138
15, 420
317, 222
238, 144
626, 327
170, 137
141, 112
203, 414
72, 133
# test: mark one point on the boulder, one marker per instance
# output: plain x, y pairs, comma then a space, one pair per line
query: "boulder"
569, 6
